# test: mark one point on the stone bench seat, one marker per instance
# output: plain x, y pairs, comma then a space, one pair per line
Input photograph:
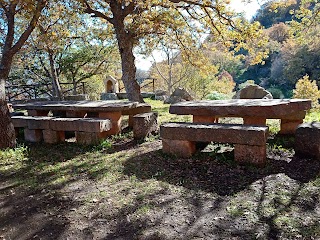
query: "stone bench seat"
52, 129
249, 141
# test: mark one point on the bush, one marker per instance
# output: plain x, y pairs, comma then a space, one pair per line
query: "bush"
217, 96
276, 92
308, 89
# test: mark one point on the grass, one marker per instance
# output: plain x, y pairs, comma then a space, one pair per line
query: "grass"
124, 191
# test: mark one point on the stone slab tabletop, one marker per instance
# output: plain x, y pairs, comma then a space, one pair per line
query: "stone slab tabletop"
90, 106
264, 108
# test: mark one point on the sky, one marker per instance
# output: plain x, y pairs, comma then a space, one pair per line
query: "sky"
249, 9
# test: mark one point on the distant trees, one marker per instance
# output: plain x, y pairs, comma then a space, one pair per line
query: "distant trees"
293, 30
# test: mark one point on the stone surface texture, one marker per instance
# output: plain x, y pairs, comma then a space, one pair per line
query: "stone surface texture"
39, 122
253, 92
88, 138
180, 148
307, 140
224, 133
50, 136
179, 95
266, 108
33, 135
250, 141
255, 155
144, 124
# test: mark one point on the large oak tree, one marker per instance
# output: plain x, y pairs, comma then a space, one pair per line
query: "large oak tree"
137, 22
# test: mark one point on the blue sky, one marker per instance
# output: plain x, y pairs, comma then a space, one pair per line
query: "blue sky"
249, 9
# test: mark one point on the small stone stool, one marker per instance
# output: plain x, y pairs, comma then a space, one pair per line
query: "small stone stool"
144, 124
307, 140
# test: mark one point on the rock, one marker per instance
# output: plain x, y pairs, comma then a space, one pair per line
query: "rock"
253, 92
307, 140
77, 97
161, 98
160, 92
109, 96
179, 95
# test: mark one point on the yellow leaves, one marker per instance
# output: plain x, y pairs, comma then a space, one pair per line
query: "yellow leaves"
308, 89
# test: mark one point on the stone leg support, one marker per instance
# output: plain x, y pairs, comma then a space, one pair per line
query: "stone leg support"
179, 148
76, 114
32, 135
205, 119
50, 136
115, 118
38, 112
144, 124
89, 138
289, 126
255, 121
255, 155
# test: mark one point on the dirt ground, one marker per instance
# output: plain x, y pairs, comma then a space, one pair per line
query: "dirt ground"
162, 197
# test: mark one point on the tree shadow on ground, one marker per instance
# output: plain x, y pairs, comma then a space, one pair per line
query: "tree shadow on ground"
213, 173
33, 214
32, 205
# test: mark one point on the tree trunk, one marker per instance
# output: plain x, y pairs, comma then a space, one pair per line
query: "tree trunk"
126, 44
55, 81
74, 84
129, 74
7, 133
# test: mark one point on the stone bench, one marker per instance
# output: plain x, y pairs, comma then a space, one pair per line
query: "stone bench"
52, 129
249, 141
307, 140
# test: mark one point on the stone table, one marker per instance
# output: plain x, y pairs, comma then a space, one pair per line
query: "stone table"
113, 110
253, 111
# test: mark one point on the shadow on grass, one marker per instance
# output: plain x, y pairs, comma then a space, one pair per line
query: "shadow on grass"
205, 172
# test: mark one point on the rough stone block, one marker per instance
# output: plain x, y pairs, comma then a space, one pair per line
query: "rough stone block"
115, 118
39, 122
140, 108
33, 135
89, 138
307, 140
20, 121
144, 124
94, 125
205, 119
223, 133
50, 136
250, 154
64, 124
179, 148
289, 126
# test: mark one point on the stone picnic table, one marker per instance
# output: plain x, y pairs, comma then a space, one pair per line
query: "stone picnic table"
113, 110
291, 112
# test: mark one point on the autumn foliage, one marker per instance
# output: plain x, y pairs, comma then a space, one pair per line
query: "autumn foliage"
306, 88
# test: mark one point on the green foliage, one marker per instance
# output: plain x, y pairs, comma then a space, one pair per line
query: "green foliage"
217, 96
276, 92
245, 84
273, 12
306, 88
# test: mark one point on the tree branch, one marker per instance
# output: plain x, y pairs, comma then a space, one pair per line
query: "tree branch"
24, 36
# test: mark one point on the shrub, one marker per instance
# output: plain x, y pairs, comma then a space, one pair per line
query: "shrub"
246, 83
217, 96
306, 88
276, 92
